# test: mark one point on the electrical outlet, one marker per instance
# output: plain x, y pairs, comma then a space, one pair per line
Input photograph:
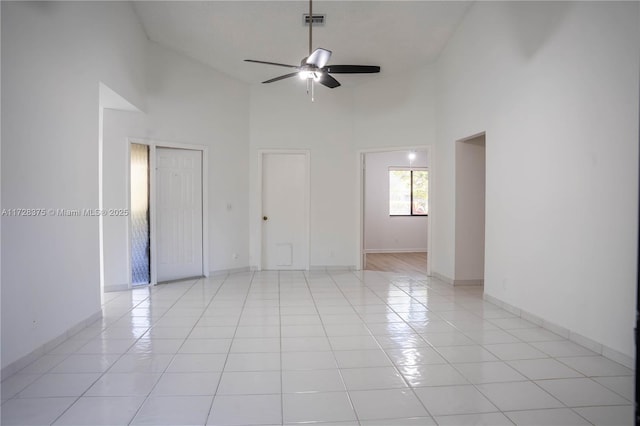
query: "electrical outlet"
235, 256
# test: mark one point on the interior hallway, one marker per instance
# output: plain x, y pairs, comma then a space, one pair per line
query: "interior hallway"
410, 263
351, 348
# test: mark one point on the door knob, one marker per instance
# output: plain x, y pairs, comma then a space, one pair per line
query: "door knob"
265, 218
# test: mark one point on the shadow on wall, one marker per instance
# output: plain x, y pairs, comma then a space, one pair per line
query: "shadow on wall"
535, 22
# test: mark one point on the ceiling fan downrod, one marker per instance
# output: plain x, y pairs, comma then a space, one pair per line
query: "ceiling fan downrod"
310, 80
314, 68
310, 25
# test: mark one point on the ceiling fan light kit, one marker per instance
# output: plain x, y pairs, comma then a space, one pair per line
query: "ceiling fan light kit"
314, 68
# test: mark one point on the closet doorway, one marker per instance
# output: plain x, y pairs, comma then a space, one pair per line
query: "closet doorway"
168, 205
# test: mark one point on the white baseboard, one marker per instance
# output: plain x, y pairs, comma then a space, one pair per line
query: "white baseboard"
577, 338
454, 282
332, 268
224, 272
315, 268
468, 282
441, 277
116, 287
22, 362
414, 250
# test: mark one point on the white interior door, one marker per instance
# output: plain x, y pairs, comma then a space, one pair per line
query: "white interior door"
179, 213
285, 213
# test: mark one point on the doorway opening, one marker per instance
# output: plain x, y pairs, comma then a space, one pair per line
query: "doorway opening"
168, 204
140, 216
470, 189
395, 210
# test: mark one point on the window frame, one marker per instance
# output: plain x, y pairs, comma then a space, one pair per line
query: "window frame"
410, 170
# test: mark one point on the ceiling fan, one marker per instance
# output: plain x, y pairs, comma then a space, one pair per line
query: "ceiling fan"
314, 68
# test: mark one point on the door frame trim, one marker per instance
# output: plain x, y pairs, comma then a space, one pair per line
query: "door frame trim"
153, 144
361, 212
307, 203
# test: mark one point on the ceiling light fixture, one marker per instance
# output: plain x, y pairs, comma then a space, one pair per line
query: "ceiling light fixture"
310, 75
310, 70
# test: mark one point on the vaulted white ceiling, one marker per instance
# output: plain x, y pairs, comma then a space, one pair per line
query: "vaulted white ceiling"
396, 35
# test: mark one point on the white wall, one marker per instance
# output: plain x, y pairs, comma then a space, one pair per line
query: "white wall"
283, 117
470, 210
555, 87
380, 112
367, 112
192, 103
53, 57
384, 233
395, 110
187, 103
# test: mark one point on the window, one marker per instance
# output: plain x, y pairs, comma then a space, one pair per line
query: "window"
408, 191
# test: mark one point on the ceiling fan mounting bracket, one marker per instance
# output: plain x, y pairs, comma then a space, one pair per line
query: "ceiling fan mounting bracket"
314, 67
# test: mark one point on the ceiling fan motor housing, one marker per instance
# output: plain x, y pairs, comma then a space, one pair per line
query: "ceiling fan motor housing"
315, 66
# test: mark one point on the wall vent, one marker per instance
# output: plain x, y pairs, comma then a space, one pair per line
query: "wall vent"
317, 19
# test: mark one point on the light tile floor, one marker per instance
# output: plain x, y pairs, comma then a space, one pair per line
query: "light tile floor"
340, 348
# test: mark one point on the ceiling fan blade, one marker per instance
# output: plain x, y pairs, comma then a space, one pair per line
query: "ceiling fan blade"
282, 77
319, 57
270, 63
351, 69
327, 80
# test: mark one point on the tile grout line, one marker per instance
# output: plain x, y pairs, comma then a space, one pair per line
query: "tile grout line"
335, 359
411, 388
533, 381
215, 394
101, 374
366, 289
453, 365
281, 370
146, 398
395, 367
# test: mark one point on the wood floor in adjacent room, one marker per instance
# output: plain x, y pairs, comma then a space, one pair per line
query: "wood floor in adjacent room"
397, 262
